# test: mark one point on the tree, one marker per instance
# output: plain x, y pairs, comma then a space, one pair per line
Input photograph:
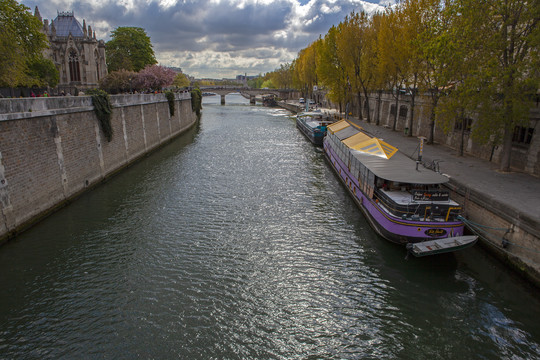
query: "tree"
181, 80
42, 72
256, 83
130, 49
154, 77
330, 70
494, 66
391, 56
119, 81
379, 80
436, 50
283, 76
305, 69
279, 79
354, 50
512, 41
21, 45
413, 14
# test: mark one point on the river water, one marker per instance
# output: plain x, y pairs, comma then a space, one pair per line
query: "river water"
236, 241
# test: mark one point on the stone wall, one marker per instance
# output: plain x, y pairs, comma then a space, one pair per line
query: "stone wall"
52, 149
512, 236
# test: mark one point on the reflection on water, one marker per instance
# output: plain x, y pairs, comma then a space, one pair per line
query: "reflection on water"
237, 241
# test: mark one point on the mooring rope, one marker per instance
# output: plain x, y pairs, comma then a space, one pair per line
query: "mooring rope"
479, 229
470, 222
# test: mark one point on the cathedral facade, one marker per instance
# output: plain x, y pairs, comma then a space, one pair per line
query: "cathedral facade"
75, 51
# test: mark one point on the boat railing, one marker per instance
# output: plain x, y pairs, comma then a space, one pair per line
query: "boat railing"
417, 211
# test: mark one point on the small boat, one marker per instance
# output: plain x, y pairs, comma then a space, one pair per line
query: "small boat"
441, 246
269, 100
404, 203
313, 125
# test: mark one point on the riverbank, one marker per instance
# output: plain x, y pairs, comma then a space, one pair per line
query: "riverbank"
505, 204
52, 149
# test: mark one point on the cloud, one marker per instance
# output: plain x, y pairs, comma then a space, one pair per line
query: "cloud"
216, 38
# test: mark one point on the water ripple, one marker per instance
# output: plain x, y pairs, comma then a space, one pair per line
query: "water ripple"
239, 243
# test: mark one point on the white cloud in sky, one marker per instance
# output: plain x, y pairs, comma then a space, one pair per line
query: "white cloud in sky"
215, 38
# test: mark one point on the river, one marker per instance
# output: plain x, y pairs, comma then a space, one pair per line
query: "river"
236, 241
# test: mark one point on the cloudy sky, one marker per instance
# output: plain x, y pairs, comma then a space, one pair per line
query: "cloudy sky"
215, 38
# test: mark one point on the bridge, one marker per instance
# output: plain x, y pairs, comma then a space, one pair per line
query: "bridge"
247, 92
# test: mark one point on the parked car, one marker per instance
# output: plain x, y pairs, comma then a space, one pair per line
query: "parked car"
301, 101
311, 101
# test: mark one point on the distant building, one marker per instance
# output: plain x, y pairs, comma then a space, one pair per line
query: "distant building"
245, 78
74, 49
242, 79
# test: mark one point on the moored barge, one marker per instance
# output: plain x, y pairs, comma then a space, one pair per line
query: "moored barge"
313, 125
403, 202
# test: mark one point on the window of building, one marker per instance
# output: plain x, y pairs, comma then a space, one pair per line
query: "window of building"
403, 111
393, 109
74, 69
522, 135
461, 124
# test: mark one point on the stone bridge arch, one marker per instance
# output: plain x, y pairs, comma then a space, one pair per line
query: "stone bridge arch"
246, 92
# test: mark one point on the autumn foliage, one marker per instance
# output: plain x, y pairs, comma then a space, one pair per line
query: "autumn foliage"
469, 58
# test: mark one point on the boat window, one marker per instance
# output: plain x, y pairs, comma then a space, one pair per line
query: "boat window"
371, 179
354, 166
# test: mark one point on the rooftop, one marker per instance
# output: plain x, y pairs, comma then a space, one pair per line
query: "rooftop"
66, 23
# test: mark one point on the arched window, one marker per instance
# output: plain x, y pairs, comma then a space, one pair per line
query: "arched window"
74, 70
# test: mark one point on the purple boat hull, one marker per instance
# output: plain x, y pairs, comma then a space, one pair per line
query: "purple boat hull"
401, 231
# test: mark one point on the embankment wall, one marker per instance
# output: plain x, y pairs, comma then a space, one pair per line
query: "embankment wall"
53, 149
512, 236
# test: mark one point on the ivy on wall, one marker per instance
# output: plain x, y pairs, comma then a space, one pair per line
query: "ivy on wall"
196, 101
103, 110
170, 98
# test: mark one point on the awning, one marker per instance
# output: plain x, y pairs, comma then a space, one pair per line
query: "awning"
337, 126
376, 147
399, 168
356, 139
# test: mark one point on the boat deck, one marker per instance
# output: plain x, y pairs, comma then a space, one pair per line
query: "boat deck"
405, 198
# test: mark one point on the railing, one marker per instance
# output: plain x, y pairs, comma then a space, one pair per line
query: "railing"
417, 212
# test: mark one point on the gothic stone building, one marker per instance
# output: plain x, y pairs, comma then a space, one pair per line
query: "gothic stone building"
74, 49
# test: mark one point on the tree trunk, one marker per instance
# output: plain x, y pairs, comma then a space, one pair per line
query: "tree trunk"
508, 119
360, 112
413, 98
507, 147
396, 111
378, 117
367, 105
411, 123
462, 135
435, 100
